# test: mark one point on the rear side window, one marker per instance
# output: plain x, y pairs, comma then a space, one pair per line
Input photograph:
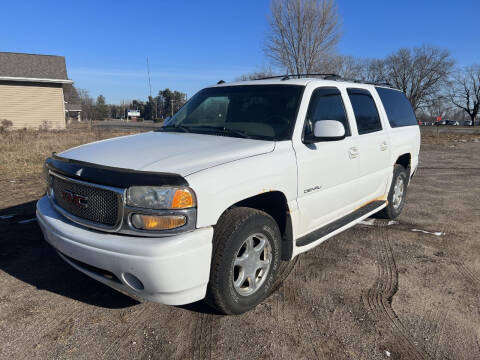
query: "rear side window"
398, 108
365, 110
326, 104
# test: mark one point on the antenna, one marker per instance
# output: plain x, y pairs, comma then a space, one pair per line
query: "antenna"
150, 87
149, 82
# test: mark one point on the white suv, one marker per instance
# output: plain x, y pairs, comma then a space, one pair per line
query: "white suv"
242, 179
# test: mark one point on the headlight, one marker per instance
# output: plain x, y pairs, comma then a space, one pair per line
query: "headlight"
152, 197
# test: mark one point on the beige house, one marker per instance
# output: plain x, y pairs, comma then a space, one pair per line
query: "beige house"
31, 90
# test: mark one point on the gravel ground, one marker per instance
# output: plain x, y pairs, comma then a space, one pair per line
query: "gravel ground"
377, 291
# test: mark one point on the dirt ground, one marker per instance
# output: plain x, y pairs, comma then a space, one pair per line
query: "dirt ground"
407, 290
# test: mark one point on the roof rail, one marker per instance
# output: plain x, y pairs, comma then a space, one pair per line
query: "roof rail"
327, 76
377, 83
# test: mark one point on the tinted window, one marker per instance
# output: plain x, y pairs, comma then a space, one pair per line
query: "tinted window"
397, 106
365, 110
326, 104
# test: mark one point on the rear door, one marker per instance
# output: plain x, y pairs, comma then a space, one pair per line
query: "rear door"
372, 146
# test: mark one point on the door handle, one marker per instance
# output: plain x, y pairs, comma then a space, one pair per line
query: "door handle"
353, 152
383, 146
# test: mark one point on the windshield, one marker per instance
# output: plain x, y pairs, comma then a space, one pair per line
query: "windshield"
266, 112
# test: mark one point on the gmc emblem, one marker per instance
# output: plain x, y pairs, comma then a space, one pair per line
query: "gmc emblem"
75, 199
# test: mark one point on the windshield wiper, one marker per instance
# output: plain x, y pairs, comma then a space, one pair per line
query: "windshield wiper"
174, 127
224, 130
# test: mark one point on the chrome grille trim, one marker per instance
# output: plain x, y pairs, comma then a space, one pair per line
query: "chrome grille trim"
82, 221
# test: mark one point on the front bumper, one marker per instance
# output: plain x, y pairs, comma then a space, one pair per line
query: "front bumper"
171, 270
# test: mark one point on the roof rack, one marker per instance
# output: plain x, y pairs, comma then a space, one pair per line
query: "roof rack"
378, 83
327, 76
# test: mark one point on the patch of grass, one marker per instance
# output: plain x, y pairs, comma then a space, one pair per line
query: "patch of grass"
435, 138
23, 152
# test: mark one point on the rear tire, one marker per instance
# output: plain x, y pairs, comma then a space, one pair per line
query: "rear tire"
243, 240
396, 195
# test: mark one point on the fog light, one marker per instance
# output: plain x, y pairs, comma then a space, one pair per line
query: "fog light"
158, 222
133, 281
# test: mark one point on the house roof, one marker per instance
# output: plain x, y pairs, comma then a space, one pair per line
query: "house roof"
33, 67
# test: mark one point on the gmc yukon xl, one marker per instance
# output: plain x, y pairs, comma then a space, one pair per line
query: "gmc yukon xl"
241, 180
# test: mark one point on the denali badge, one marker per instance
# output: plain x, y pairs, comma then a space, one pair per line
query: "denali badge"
75, 199
315, 188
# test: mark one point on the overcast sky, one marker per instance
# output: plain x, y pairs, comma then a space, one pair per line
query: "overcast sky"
191, 44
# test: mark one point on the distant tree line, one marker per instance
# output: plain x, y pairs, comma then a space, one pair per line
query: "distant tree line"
157, 108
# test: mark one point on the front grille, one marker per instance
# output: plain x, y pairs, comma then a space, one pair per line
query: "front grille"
99, 205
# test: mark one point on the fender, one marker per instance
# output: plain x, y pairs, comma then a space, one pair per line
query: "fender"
220, 187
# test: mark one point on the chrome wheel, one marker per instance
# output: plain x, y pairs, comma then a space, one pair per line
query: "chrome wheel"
252, 264
398, 191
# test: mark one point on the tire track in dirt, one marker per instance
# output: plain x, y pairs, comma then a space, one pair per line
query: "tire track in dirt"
291, 294
468, 273
134, 325
168, 335
431, 327
308, 324
38, 336
202, 336
378, 299
434, 321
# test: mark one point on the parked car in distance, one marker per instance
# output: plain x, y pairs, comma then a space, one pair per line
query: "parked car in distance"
467, 123
453, 123
242, 179
441, 122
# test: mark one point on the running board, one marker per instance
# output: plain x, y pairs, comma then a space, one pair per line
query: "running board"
337, 224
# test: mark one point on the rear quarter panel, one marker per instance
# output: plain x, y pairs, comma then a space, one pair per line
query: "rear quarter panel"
405, 140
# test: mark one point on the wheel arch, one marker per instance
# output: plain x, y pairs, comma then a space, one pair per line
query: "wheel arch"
275, 204
405, 160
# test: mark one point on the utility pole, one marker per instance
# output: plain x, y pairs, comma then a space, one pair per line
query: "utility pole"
171, 102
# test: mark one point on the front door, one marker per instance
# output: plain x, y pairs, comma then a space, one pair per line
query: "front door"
327, 171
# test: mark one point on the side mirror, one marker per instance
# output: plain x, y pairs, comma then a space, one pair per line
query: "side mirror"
326, 130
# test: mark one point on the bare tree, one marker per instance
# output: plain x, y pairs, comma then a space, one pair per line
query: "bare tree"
87, 104
420, 73
437, 107
465, 90
265, 72
346, 66
302, 32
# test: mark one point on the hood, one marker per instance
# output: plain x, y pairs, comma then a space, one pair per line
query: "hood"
179, 153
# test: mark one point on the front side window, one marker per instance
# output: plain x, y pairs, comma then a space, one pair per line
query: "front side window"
365, 110
266, 112
326, 104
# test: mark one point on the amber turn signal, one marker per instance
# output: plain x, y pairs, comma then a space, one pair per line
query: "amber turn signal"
183, 199
158, 222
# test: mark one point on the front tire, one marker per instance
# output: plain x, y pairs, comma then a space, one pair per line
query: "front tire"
397, 194
245, 260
